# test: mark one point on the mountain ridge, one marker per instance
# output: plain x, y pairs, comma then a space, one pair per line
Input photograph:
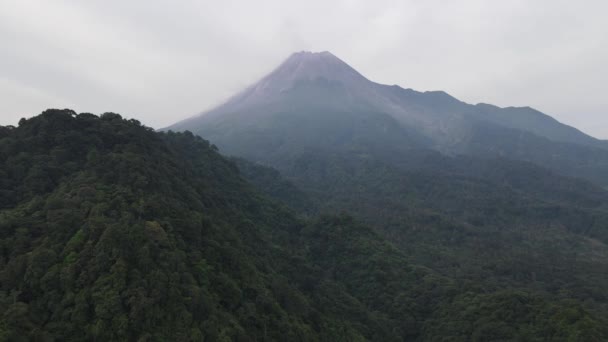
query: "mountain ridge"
111, 231
309, 66
319, 85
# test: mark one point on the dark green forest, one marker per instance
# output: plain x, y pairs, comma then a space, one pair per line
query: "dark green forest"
110, 231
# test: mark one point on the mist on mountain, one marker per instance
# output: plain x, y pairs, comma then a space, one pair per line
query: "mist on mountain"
322, 207
315, 100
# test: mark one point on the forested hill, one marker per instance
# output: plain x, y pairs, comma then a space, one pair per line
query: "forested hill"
111, 231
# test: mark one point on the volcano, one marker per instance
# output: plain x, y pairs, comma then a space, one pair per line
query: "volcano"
316, 101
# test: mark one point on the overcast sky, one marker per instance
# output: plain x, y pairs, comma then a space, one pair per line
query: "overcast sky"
162, 61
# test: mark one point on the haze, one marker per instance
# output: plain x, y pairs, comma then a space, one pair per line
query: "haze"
160, 63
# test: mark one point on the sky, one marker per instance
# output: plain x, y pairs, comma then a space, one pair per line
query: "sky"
161, 61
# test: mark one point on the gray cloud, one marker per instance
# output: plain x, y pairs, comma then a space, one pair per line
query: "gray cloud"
161, 61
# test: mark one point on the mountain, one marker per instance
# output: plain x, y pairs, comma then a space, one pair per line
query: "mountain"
111, 231
396, 158
316, 101
500, 199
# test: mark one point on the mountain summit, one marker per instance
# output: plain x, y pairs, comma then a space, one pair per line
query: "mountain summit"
316, 100
295, 80
309, 66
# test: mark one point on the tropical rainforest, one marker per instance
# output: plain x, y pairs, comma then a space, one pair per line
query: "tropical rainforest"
111, 231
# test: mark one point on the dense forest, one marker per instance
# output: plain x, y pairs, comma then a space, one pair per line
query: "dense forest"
493, 224
112, 231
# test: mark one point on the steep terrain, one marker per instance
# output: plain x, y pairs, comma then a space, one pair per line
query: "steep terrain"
494, 223
316, 101
497, 199
111, 231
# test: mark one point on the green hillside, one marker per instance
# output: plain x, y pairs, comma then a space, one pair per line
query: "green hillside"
495, 225
111, 231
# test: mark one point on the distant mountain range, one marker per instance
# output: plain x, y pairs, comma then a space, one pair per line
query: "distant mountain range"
315, 99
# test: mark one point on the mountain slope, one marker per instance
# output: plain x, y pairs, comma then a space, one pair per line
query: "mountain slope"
310, 101
533, 121
475, 193
115, 232
315, 100
110, 231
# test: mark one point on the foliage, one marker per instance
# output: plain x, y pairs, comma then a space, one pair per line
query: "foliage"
490, 225
111, 231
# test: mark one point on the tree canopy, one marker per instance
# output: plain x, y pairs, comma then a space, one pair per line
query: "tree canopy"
112, 231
